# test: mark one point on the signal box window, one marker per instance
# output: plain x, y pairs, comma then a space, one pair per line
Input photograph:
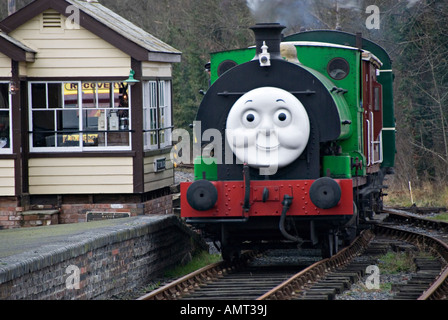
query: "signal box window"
79, 116
157, 124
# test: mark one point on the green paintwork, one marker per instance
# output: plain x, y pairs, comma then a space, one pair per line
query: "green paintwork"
205, 167
386, 79
239, 56
315, 59
337, 167
340, 101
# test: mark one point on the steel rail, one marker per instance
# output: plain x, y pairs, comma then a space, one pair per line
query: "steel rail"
402, 216
439, 289
311, 274
174, 289
177, 288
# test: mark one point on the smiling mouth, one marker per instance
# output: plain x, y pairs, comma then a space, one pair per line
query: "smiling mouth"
267, 148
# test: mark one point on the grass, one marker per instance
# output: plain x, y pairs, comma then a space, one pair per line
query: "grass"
424, 195
396, 262
441, 217
198, 261
393, 263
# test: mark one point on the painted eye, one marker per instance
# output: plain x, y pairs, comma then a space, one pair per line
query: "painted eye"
282, 117
250, 117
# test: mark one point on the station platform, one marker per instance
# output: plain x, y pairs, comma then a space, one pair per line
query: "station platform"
34, 261
19, 245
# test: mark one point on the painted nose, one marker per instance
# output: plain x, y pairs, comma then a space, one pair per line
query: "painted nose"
265, 127
264, 132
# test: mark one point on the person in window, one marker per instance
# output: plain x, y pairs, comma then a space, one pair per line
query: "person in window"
4, 132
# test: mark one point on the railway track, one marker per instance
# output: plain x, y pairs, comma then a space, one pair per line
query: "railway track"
245, 279
245, 284
325, 278
248, 281
426, 233
430, 271
430, 282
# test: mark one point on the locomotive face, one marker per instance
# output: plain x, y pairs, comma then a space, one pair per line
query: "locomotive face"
267, 127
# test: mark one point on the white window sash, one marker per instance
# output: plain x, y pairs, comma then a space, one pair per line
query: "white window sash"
157, 114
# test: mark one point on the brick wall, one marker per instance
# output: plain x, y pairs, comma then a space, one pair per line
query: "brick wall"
108, 264
13, 216
74, 213
10, 213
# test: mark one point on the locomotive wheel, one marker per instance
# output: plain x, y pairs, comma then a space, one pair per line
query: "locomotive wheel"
230, 250
351, 228
230, 253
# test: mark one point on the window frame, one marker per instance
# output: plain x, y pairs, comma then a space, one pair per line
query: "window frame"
80, 109
9, 110
331, 68
157, 114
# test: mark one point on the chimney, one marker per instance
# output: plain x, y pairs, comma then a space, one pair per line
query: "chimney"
11, 7
271, 34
